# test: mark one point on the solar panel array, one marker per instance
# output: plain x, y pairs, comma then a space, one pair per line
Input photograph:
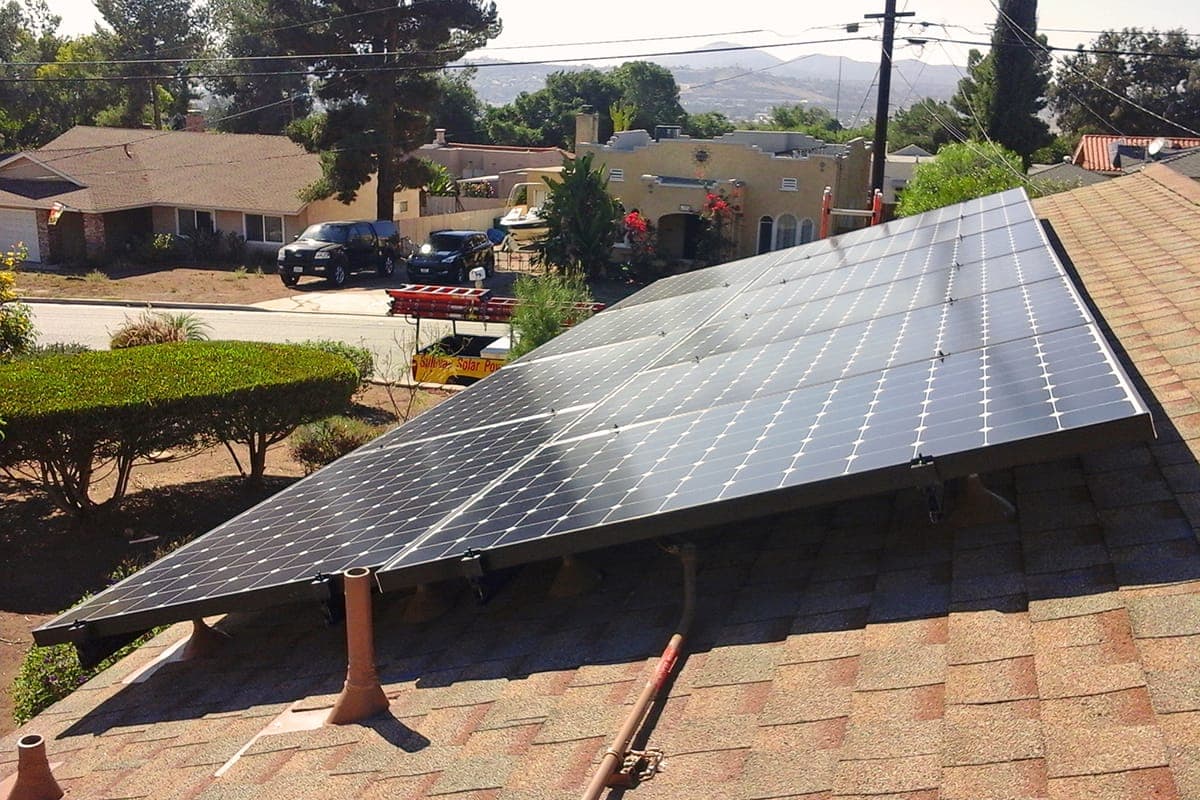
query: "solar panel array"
794, 377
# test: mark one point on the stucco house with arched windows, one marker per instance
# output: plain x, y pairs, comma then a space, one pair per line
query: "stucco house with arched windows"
773, 180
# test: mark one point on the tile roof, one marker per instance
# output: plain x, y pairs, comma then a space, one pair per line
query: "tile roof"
847, 651
1093, 152
121, 168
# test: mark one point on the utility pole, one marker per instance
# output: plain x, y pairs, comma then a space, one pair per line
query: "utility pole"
879, 146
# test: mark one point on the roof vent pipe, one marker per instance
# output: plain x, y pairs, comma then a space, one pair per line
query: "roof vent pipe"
34, 779
362, 696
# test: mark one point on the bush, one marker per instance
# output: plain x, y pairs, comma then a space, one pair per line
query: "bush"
17, 333
159, 327
56, 349
68, 414
48, 674
545, 308
360, 357
319, 443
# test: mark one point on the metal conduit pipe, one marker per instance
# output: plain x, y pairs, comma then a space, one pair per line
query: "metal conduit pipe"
615, 754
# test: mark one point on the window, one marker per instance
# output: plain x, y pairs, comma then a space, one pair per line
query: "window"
789, 184
785, 232
616, 174
766, 227
264, 228
190, 220
806, 231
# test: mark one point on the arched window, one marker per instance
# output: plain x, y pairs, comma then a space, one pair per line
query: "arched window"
785, 232
806, 231
766, 230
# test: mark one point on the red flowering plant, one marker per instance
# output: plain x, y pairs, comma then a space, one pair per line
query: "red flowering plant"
639, 235
715, 244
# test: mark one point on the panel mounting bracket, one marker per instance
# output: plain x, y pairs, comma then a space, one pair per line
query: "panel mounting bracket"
474, 569
927, 480
332, 601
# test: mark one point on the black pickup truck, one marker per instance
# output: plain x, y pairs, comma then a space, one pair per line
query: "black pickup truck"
333, 250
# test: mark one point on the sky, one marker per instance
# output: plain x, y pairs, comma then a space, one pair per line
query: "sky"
536, 30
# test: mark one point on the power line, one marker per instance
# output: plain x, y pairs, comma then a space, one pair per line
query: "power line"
1119, 97
304, 56
410, 68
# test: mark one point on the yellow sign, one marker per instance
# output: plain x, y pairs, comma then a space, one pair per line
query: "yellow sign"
444, 369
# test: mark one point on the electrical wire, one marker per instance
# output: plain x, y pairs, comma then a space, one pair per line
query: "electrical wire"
410, 68
1101, 86
305, 56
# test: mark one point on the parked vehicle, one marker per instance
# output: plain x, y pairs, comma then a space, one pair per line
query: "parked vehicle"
334, 250
451, 255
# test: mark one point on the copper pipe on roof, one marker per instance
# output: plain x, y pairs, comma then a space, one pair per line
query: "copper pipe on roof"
362, 696
615, 754
34, 781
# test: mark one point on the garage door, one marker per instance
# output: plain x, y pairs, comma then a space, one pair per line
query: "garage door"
19, 226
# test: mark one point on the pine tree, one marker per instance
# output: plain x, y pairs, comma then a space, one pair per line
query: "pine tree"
378, 98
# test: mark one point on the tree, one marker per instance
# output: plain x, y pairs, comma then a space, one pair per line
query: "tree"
255, 103
155, 33
377, 104
68, 94
28, 33
813, 120
1099, 92
960, 172
928, 123
652, 92
707, 125
1022, 76
581, 219
1004, 91
547, 304
546, 117
458, 108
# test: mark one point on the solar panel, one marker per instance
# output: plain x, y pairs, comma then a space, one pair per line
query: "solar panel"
800, 376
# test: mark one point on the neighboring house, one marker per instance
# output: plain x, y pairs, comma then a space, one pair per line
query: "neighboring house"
1110, 153
501, 166
898, 171
773, 179
850, 650
1185, 163
120, 185
1065, 175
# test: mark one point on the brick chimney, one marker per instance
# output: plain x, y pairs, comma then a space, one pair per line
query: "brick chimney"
194, 121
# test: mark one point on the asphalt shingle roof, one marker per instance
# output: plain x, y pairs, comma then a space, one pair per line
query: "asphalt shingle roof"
852, 650
119, 168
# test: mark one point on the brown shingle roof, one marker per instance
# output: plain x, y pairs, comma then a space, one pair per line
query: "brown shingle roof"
123, 168
848, 651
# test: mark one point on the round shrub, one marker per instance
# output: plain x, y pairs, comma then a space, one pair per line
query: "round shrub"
360, 357
66, 413
322, 442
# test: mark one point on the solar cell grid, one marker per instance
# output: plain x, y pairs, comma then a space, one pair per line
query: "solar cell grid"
788, 378
616, 325
357, 512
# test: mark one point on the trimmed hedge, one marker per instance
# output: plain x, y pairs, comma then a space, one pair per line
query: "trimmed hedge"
65, 413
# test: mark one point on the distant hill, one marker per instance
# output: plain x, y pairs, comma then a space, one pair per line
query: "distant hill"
745, 83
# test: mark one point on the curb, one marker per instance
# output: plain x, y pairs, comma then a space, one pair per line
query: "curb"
96, 301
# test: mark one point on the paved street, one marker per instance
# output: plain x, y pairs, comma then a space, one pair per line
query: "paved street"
358, 318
